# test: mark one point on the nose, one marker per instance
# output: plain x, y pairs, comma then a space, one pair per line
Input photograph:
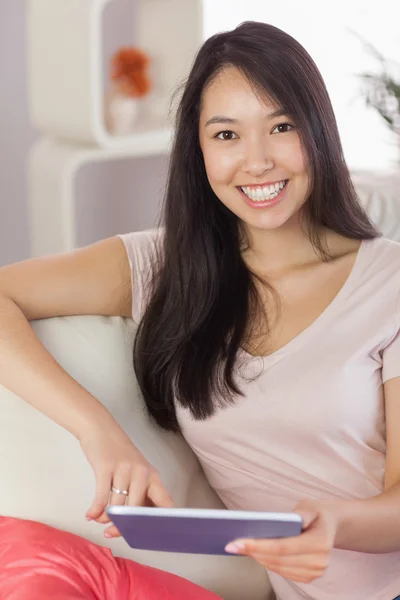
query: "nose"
258, 159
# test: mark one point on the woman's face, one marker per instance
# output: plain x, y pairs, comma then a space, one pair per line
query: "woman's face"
253, 157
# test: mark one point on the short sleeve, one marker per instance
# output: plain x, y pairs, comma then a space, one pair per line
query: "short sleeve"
141, 248
391, 353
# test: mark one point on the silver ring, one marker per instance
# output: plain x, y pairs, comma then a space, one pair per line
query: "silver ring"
117, 491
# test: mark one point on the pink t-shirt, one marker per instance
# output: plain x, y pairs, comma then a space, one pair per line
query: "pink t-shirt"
312, 424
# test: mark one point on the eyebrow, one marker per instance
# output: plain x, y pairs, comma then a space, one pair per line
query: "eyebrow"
229, 121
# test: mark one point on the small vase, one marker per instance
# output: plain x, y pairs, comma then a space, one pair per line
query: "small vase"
121, 112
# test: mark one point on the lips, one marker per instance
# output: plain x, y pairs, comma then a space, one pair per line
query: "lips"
266, 202
264, 192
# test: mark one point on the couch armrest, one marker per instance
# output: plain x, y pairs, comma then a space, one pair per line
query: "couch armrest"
45, 476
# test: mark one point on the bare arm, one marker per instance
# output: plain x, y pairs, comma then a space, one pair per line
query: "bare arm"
92, 280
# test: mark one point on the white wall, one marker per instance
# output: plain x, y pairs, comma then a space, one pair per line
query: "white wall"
111, 198
323, 28
16, 134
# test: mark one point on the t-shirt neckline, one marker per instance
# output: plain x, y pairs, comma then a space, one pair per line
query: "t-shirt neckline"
302, 337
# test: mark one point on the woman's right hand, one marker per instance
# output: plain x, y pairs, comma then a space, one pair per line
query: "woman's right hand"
118, 464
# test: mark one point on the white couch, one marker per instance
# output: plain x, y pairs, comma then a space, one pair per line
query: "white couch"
44, 475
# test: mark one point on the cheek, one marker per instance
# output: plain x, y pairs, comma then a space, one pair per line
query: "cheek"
299, 159
300, 164
291, 155
220, 166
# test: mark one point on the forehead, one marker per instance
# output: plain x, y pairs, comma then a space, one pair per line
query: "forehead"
230, 90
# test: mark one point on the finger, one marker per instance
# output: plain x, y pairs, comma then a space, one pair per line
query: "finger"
119, 491
138, 487
305, 561
103, 519
308, 517
159, 495
111, 532
137, 492
100, 501
117, 498
301, 544
143, 494
252, 547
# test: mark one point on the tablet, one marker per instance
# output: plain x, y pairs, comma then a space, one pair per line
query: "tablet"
197, 531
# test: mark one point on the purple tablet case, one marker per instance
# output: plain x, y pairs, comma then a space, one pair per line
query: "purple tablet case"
195, 536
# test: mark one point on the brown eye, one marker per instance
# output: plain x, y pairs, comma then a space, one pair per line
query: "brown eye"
283, 128
226, 135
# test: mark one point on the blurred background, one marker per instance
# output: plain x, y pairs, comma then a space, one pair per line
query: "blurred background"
79, 162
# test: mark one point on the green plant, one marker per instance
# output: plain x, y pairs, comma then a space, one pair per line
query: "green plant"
382, 90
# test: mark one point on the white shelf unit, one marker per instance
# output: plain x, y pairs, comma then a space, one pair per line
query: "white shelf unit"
66, 66
53, 170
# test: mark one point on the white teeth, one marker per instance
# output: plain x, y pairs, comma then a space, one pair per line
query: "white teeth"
268, 192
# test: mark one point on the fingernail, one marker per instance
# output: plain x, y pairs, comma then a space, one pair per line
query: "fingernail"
107, 535
234, 547
88, 518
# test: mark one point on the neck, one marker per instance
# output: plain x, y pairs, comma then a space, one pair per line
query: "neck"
279, 249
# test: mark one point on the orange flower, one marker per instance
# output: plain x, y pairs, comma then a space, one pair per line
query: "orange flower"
129, 70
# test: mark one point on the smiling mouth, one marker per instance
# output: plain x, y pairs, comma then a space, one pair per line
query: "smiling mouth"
263, 194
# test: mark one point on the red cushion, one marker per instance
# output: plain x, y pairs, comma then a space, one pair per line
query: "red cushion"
38, 562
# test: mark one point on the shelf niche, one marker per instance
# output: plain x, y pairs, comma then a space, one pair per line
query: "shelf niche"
68, 70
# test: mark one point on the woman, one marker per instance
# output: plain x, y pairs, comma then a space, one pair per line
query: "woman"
268, 319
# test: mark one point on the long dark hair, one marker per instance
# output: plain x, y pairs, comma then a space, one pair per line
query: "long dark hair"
202, 292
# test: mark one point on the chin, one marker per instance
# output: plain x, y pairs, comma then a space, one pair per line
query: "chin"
267, 222
273, 226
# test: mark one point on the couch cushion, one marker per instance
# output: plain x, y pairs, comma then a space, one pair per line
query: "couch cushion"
45, 476
380, 196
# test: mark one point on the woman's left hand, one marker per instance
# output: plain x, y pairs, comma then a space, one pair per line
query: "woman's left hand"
302, 558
